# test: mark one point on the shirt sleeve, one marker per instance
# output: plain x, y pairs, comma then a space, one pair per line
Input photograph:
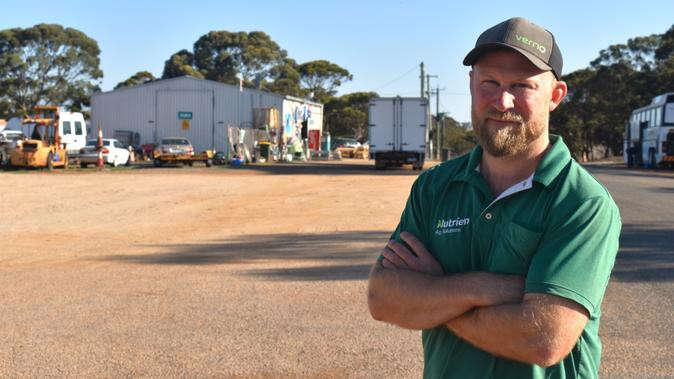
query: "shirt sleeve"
412, 219
576, 254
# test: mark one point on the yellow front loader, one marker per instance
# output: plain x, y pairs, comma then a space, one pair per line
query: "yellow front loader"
44, 147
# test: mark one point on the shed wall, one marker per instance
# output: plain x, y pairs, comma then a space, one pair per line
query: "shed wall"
152, 110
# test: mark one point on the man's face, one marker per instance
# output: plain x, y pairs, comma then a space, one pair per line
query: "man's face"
511, 102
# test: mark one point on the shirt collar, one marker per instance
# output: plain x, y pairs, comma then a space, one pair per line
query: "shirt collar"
553, 162
473, 164
547, 170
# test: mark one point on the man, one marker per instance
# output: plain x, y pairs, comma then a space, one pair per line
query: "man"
502, 256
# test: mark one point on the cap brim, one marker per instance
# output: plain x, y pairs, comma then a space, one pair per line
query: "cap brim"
474, 54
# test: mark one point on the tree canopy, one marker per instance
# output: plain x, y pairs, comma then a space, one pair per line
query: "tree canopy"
180, 64
347, 115
222, 55
322, 77
601, 97
285, 79
141, 77
47, 63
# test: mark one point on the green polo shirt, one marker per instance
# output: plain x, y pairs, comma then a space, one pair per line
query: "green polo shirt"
559, 229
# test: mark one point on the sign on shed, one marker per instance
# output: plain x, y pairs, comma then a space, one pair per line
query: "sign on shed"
184, 115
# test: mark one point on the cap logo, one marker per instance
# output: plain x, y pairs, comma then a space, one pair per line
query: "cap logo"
531, 43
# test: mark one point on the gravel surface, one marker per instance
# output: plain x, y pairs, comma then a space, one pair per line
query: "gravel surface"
257, 272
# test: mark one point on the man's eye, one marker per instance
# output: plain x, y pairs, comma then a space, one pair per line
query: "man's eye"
490, 83
521, 85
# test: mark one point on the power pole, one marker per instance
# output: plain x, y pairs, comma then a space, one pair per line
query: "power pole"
423, 92
439, 125
422, 76
434, 152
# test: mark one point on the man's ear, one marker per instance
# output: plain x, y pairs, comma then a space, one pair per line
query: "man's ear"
470, 85
559, 91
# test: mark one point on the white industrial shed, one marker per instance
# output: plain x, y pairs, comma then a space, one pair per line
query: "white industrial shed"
200, 110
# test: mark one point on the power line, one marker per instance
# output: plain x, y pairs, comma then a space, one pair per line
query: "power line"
398, 78
389, 94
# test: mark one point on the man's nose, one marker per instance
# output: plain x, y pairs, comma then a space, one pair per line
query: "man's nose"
504, 100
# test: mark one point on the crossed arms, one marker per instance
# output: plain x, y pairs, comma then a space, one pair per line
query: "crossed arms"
491, 311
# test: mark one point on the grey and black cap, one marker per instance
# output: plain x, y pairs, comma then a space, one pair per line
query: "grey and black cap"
535, 43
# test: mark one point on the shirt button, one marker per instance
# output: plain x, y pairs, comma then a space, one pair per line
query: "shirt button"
488, 216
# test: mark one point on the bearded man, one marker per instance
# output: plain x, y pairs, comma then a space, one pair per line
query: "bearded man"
502, 256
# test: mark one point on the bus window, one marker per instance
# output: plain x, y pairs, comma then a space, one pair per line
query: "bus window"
78, 128
658, 117
652, 120
669, 113
66, 128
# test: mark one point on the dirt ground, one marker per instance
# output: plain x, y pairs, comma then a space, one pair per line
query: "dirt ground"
198, 272
253, 272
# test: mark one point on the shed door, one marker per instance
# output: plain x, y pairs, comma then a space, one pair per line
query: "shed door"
186, 113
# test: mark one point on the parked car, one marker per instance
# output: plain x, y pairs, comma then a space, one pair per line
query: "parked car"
179, 150
8, 142
114, 153
344, 142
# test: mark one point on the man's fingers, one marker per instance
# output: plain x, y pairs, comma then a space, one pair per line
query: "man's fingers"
404, 254
393, 258
426, 259
416, 245
387, 264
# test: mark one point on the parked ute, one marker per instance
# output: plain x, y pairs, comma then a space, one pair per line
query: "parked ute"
114, 153
179, 150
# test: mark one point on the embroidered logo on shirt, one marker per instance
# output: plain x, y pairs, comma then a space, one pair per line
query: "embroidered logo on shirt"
451, 225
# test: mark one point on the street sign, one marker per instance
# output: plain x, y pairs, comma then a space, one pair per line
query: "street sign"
185, 124
184, 115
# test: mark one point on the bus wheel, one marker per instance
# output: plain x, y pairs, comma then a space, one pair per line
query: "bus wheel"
651, 158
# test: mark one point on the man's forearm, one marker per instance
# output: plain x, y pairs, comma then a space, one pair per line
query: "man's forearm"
535, 331
420, 301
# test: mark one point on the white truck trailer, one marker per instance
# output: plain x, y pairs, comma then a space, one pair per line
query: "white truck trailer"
398, 134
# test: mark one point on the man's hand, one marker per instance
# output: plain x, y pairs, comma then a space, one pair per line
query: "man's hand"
397, 256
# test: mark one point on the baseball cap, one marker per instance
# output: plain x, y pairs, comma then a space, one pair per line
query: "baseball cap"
535, 43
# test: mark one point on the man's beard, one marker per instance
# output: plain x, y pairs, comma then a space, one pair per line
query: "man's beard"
507, 141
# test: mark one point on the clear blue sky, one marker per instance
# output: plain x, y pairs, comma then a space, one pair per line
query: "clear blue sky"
377, 41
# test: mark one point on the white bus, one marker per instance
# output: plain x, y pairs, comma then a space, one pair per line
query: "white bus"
646, 132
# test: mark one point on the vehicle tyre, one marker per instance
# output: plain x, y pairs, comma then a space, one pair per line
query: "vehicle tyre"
379, 164
208, 162
651, 158
50, 161
128, 161
157, 163
190, 163
83, 165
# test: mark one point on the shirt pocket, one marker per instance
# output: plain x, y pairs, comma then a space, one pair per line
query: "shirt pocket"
513, 249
